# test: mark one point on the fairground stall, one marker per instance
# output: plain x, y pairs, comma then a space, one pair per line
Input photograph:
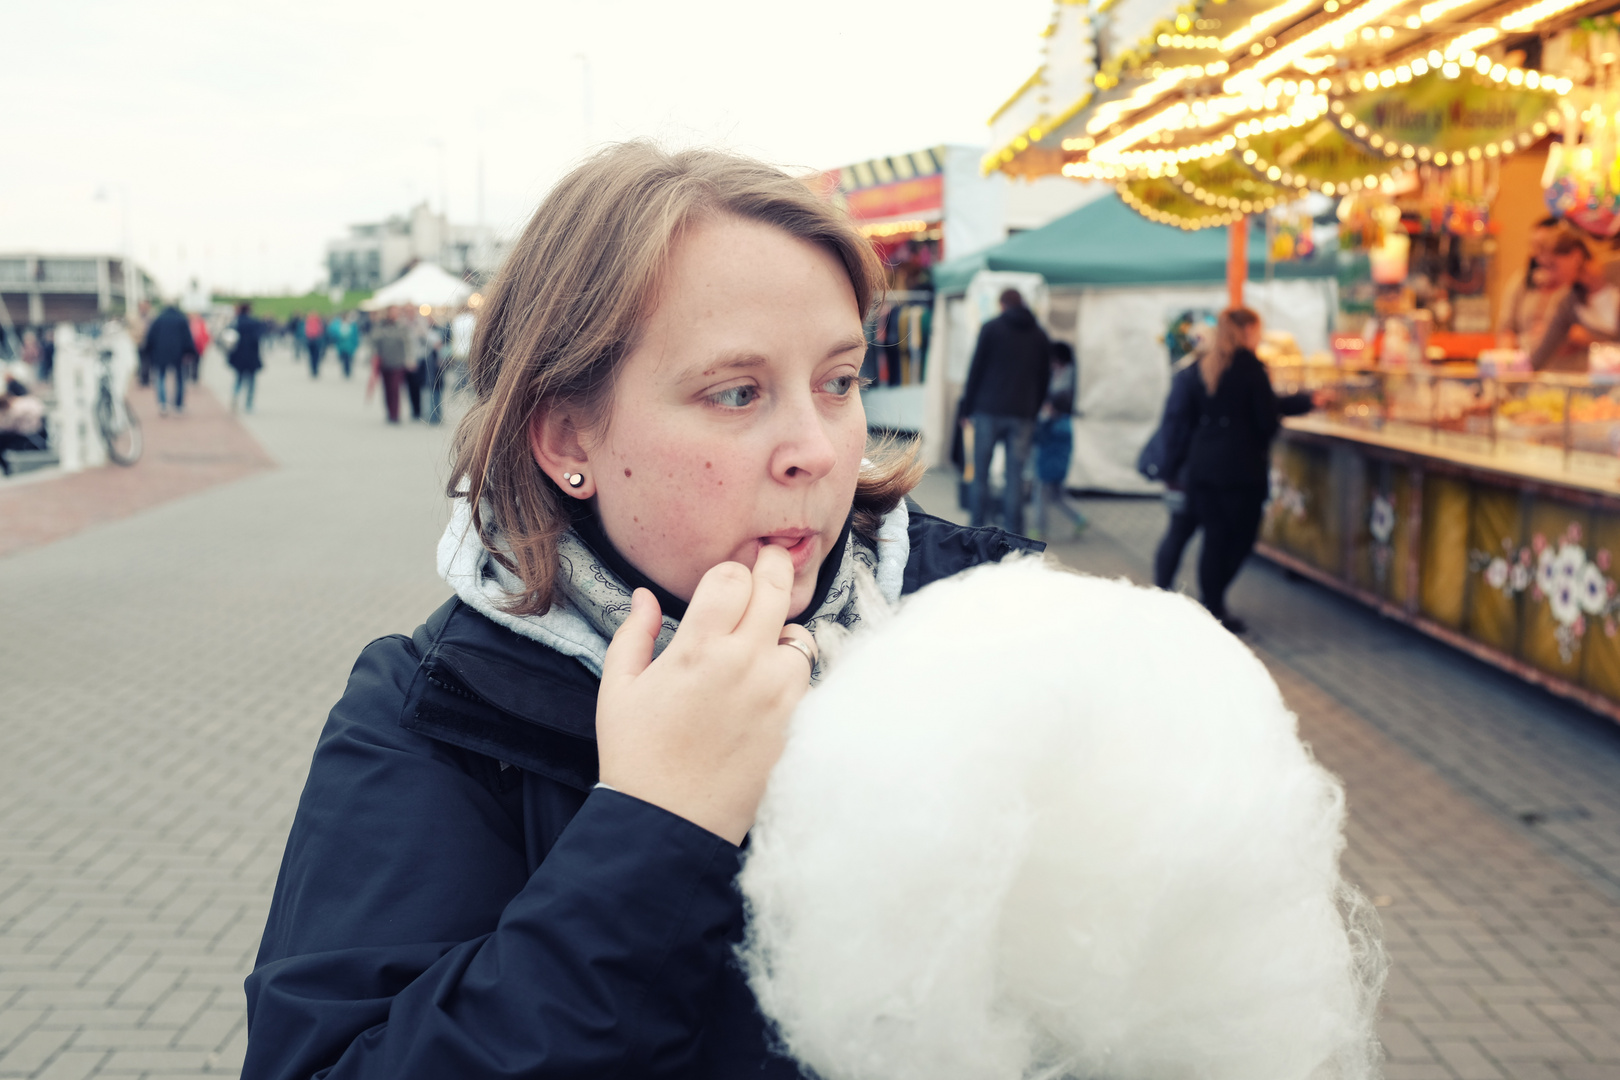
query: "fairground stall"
1458, 481
918, 209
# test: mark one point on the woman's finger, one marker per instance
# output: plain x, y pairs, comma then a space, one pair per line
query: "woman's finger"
771, 596
718, 602
802, 642
631, 649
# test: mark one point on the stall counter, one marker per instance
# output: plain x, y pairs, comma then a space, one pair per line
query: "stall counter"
1498, 536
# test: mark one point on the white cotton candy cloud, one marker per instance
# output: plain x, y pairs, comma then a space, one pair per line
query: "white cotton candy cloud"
1045, 825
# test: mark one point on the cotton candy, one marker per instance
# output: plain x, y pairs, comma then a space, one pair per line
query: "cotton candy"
1044, 825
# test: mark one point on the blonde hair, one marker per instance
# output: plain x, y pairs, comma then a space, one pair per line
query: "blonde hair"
568, 306
1230, 329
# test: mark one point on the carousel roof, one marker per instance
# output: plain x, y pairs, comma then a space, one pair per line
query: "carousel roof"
1205, 110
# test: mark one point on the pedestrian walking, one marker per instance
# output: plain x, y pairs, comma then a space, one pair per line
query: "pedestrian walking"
515, 854
245, 355
200, 337
1167, 461
345, 333
1228, 460
391, 342
169, 345
421, 344
1006, 385
315, 341
1054, 444
137, 322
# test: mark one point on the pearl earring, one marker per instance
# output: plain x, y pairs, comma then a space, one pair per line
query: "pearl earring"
575, 480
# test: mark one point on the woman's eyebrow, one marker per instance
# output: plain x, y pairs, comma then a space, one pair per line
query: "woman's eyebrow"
736, 360
849, 344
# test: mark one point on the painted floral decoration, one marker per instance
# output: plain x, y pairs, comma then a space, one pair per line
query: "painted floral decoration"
1381, 525
1285, 497
1559, 571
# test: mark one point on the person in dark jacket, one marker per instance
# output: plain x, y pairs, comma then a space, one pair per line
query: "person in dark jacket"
515, 852
1006, 385
168, 345
1227, 471
245, 355
1176, 429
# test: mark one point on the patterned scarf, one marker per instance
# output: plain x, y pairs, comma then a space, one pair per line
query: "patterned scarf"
592, 601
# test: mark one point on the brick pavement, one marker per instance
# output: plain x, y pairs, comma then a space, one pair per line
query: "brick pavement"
1484, 819
177, 663
183, 455
175, 667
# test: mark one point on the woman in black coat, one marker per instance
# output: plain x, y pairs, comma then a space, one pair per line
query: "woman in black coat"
1226, 476
515, 853
245, 355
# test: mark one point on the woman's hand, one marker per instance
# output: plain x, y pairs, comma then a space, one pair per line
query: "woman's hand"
698, 730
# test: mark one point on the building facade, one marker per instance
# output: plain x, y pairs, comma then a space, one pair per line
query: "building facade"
38, 289
374, 254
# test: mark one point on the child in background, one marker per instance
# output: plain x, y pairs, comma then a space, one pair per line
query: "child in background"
1054, 443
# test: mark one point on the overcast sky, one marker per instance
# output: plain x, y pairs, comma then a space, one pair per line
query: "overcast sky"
232, 140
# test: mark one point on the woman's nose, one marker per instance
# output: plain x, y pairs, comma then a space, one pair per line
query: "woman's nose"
804, 447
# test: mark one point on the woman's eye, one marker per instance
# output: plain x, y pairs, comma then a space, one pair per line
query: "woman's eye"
735, 397
841, 385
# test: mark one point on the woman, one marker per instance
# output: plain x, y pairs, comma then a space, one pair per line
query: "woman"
514, 855
1228, 460
245, 355
1587, 308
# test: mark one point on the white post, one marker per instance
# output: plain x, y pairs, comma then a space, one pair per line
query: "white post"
79, 442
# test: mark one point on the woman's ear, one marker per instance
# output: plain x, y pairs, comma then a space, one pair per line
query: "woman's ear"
555, 442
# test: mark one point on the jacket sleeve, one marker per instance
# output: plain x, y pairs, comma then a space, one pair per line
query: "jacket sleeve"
1178, 423
1296, 404
408, 939
1556, 333
1262, 401
976, 371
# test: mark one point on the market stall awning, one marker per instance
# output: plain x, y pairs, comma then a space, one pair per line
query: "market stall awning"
1107, 243
425, 283
1332, 95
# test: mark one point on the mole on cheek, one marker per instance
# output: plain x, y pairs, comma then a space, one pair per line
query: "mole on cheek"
708, 464
627, 474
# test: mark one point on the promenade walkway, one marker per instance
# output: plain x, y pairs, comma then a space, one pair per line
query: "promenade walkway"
168, 672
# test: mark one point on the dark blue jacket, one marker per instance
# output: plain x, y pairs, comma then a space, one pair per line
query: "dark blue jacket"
1011, 368
456, 901
169, 340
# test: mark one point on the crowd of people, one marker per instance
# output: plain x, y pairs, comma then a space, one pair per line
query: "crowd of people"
406, 349
1212, 449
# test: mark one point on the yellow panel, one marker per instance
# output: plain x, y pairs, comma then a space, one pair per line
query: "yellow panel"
1494, 545
1300, 515
1554, 624
1603, 638
1380, 537
1444, 574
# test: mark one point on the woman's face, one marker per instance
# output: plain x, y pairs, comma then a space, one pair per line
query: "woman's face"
737, 421
1252, 335
1566, 266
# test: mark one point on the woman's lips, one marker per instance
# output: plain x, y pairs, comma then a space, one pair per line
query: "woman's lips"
799, 544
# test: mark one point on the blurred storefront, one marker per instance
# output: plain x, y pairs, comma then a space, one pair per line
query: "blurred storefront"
919, 208
40, 289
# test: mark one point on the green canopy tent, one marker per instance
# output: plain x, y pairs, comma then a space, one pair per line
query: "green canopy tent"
1106, 243
1114, 282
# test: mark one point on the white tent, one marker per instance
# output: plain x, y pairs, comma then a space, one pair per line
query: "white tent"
426, 283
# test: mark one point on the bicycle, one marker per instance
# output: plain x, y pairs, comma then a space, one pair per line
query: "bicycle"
119, 426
